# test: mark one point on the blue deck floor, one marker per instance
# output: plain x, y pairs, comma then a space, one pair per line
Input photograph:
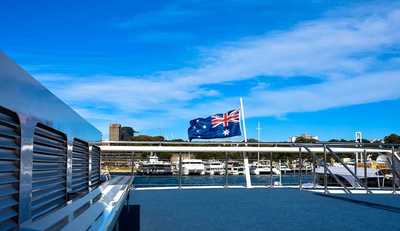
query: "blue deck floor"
262, 209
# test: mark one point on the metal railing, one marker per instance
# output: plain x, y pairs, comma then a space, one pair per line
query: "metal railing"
305, 152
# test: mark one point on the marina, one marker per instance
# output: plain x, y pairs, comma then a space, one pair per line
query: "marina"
70, 180
191, 116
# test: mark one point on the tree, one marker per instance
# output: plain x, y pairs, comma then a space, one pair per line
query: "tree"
302, 139
252, 140
148, 138
365, 141
340, 140
176, 140
126, 133
392, 139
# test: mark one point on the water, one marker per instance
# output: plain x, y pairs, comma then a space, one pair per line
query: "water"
262, 209
152, 181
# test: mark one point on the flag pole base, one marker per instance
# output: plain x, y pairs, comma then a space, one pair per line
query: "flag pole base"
247, 172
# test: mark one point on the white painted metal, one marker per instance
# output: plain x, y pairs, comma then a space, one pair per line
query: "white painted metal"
243, 120
98, 210
246, 160
258, 139
199, 149
332, 190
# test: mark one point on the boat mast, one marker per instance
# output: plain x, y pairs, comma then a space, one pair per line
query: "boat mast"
258, 140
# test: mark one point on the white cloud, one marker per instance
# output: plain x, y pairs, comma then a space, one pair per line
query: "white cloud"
361, 89
341, 49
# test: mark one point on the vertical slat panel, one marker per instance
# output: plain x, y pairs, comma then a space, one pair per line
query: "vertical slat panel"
48, 171
9, 169
80, 166
95, 164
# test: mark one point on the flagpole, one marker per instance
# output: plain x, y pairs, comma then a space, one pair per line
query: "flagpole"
243, 120
258, 140
246, 160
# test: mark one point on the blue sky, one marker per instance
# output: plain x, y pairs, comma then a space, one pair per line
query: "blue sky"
328, 68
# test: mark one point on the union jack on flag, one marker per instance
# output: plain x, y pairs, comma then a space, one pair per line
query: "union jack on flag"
216, 126
226, 118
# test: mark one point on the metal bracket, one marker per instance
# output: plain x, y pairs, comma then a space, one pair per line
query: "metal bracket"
347, 191
348, 169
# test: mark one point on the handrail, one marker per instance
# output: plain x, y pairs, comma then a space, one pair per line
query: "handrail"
347, 191
240, 149
394, 172
85, 212
348, 169
353, 144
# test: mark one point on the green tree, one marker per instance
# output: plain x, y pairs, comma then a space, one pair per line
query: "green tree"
302, 139
148, 138
176, 140
392, 139
252, 140
340, 140
126, 133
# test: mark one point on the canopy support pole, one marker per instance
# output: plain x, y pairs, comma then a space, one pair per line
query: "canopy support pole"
246, 159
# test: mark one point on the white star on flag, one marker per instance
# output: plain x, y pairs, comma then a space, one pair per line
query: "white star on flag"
226, 132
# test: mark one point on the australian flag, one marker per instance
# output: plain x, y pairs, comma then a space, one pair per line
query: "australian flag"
216, 126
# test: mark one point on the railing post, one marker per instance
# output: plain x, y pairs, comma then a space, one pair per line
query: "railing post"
280, 175
365, 170
359, 182
180, 170
247, 171
313, 169
270, 172
132, 154
330, 172
325, 172
301, 168
393, 172
226, 170
355, 165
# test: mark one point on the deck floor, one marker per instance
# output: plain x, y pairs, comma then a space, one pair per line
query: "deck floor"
263, 209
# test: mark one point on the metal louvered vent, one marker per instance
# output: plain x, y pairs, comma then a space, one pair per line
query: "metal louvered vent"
95, 170
9, 169
49, 169
80, 166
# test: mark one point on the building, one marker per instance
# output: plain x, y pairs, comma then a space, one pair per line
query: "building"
115, 131
292, 139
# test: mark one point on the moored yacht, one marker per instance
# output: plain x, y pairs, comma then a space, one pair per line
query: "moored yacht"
153, 166
193, 167
262, 168
375, 177
214, 167
235, 168
284, 169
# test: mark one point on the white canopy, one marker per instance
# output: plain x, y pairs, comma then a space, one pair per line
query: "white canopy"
133, 148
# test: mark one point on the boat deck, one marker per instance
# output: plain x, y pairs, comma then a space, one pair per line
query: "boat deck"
264, 209
97, 210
